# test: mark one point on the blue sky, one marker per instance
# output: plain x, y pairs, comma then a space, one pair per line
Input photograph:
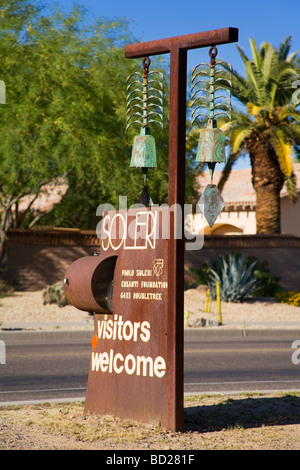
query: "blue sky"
270, 21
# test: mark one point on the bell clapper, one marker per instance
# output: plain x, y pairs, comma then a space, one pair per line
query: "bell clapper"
145, 172
211, 167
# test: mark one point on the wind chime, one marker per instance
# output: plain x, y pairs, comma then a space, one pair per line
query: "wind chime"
211, 99
144, 105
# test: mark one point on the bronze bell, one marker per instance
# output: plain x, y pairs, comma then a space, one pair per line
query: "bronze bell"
143, 153
211, 146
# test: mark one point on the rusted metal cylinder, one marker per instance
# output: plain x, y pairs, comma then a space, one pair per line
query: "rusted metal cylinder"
88, 283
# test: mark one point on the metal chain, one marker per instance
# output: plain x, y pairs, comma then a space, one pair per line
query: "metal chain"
146, 64
213, 51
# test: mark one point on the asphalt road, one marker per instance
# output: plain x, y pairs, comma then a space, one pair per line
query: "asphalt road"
237, 365
59, 370
44, 371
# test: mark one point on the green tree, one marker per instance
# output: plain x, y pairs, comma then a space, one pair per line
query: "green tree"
65, 116
268, 129
60, 119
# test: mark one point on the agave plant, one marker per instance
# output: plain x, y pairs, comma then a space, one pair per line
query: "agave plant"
237, 280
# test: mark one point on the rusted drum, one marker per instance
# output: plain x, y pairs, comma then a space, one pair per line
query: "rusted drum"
88, 283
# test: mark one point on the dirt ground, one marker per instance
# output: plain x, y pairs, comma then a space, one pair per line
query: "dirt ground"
243, 422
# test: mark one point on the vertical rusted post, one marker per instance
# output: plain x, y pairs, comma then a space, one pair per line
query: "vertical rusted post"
176, 195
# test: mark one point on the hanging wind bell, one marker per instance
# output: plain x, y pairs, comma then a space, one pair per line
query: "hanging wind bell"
144, 105
211, 100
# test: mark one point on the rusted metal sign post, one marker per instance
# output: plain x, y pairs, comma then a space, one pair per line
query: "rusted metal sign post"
177, 47
135, 288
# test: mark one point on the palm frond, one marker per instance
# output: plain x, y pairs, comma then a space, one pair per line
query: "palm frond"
284, 150
253, 109
238, 136
269, 75
268, 63
281, 83
291, 187
291, 112
255, 83
284, 48
256, 55
226, 127
292, 56
295, 132
227, 170
240, 88
243, 55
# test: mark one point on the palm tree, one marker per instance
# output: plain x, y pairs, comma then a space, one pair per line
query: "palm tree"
268, 129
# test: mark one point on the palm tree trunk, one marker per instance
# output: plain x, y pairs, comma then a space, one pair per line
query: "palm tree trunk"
267, 180
267, 210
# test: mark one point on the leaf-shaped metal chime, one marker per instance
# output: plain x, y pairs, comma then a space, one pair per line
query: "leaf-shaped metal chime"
211, 98
144, 106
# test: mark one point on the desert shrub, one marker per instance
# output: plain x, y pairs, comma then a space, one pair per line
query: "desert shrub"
237, 280
202, 277
240, 277
55, 295
5, 289
290, 297
269, 284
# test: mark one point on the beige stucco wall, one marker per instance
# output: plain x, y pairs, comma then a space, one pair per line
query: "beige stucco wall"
228, 223
244, 222
290, 216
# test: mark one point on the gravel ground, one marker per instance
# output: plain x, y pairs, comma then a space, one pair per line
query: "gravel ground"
256, 313
27, 308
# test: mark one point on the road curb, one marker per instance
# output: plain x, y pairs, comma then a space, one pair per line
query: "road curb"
190, 334
202, 333
25, 336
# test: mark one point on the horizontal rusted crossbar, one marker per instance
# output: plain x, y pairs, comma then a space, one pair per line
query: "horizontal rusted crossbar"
185, 42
